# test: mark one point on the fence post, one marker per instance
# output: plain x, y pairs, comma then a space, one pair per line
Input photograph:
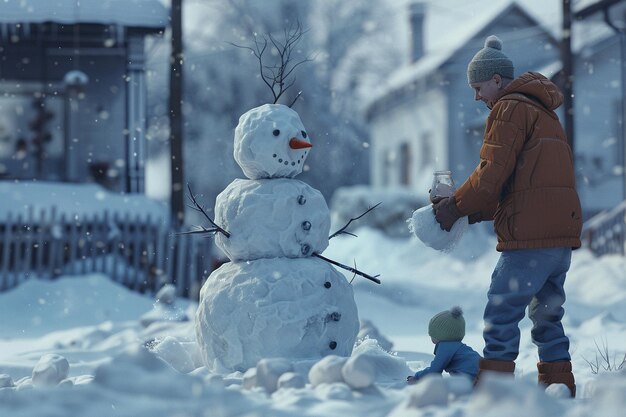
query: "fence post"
41, 245
6, 252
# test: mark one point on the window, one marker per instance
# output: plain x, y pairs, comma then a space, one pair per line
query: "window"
31, 134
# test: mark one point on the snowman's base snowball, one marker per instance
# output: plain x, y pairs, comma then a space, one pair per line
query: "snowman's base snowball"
268, 308
425, 227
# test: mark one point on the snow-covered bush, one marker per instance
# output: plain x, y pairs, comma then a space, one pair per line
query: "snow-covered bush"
397, 205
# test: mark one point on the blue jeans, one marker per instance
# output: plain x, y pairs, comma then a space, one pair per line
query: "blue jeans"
533, 278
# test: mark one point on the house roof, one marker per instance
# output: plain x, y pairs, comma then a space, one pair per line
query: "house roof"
131, 13
434, 60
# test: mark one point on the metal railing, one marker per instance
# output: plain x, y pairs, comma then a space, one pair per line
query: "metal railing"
605, 233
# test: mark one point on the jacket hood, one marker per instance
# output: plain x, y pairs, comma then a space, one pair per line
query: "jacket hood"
538, 87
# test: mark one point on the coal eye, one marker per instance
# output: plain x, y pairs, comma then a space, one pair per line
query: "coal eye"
303, 134
276, 132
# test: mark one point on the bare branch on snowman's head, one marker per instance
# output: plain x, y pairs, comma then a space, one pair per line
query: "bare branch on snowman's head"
276, 75
203, 230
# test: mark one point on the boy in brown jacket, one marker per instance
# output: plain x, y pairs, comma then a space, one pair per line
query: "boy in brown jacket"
525, 183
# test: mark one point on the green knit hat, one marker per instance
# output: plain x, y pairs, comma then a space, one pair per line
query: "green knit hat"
489, 61
448, 325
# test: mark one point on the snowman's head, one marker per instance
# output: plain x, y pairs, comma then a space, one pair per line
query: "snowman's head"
271, 142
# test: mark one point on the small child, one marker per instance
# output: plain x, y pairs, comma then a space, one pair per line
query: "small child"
446, 330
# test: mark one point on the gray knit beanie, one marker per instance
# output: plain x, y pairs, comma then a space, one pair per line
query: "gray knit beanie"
489, 61
448, 325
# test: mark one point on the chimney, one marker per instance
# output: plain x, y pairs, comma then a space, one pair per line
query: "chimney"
417, 12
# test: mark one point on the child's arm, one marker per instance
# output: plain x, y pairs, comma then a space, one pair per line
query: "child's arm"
442, 359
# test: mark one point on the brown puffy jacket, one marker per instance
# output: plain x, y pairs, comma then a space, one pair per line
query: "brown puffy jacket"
525, 178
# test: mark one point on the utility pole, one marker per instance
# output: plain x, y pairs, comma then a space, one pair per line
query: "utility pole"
568, 73
175, 116
604, 6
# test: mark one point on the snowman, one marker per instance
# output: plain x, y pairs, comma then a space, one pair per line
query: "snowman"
277, 297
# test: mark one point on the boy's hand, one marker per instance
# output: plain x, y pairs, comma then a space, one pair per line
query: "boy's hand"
411, 380
434, 199
446, 213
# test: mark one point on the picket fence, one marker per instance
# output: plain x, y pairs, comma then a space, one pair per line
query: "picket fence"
605, 233
133, 250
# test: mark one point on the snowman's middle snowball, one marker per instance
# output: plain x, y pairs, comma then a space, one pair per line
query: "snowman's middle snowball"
271, 218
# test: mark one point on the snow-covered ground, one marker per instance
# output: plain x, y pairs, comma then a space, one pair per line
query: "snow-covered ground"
129, 356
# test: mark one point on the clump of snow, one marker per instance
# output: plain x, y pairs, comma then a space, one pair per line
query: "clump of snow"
139, 371
388, 367
558, 391
367, 330
335, 391
498, 395
430, 390
368, 364
249, 380
359, 371
459, 385
166, 295
295, 308
291, 380
396, 205
423, 225
50, 370
269, 370
165, 308
327, 370
176, 353
271, 218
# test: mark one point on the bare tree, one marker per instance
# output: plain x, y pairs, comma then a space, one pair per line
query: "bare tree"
276, 75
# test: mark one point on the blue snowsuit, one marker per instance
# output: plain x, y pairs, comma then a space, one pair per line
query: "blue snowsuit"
453, 357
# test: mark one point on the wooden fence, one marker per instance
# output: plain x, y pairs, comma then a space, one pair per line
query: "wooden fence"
605, 233
133, 250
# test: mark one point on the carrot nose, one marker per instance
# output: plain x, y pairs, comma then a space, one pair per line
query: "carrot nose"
295, 143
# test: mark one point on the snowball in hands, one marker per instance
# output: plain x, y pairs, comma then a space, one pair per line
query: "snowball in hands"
426, 228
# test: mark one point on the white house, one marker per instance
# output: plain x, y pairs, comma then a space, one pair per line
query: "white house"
73, 89
599, 106
427, 118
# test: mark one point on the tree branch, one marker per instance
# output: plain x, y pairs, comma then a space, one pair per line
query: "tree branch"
197, 207
276, 76
342, 230
349, 268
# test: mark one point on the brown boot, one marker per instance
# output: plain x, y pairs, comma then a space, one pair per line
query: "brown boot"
557, 373
488, 365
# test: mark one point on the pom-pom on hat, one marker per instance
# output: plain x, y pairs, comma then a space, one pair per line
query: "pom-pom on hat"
489, 61
448, 325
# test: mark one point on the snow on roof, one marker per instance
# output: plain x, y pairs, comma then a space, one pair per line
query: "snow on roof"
551, 69
434, 59
133, 13
18, 197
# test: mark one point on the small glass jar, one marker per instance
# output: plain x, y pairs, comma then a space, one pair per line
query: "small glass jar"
443, 185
